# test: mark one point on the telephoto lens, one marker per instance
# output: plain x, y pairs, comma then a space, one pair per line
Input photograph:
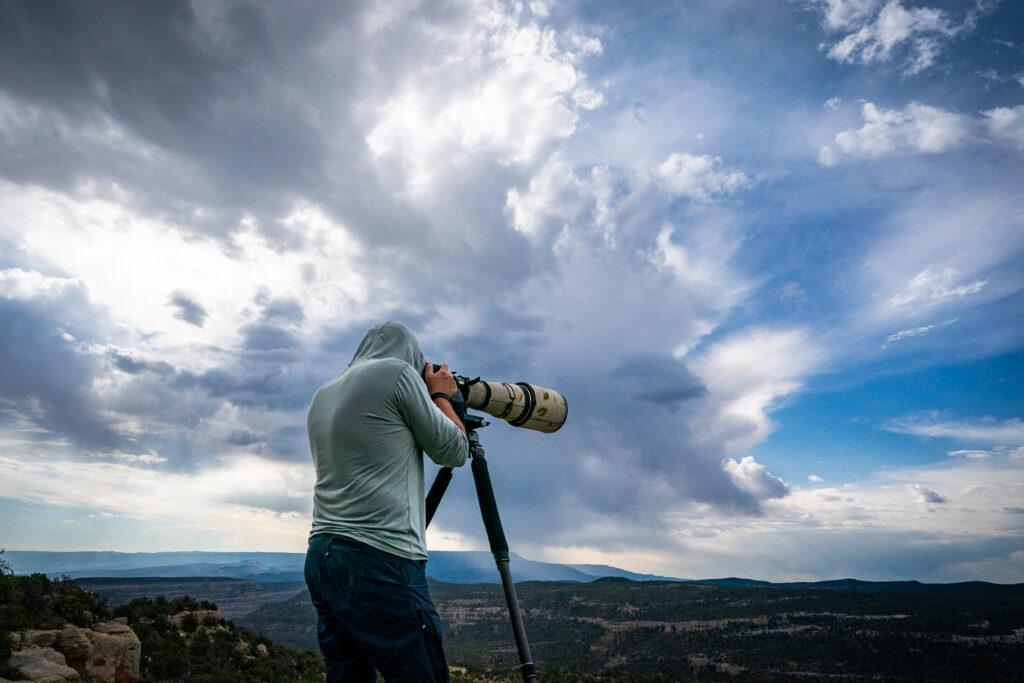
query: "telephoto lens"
521, 404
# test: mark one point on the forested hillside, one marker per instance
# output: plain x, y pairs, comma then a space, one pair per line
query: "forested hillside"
673, 631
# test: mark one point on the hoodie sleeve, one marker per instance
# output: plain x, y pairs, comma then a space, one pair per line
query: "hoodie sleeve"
434, 432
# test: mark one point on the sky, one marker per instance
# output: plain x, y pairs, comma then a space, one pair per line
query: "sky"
770, 252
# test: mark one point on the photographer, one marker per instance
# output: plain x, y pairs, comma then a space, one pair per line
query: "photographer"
368, 430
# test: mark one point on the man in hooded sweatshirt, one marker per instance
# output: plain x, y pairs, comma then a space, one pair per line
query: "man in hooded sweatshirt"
368, 430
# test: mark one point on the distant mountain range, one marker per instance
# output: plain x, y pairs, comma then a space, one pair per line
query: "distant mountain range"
444, 565
449, 566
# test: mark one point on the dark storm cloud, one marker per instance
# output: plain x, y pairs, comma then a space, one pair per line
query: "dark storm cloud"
288, 310
267, 337
196, 90
659, 380
243, 437
289, 442
46, 379
188, 309
136, 366
275, 502
271, 388
926, 495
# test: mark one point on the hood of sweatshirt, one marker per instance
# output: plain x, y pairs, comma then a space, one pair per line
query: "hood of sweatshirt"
390, 340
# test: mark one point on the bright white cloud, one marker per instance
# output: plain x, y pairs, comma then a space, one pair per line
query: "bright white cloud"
557, 197
917, 127
840, 14
1006, 124
16, 283
753, 477
935, 286
877, 33
105, 246
518, 89
696, 177
747, 374
815, 478
988, 430
922, 128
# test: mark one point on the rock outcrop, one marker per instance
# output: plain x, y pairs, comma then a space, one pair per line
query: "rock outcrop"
201, 615
109, 652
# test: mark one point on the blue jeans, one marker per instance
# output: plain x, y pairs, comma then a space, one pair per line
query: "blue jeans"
375, 612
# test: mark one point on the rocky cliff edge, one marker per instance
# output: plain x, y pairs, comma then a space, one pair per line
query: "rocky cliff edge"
109, 652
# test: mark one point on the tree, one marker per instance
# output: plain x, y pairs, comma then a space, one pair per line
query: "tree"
189, 623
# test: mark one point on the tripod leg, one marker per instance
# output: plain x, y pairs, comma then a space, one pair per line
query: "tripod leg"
436, 492
499, 548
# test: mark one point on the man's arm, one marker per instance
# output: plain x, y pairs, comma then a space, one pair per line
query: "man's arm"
442, 382
439, 435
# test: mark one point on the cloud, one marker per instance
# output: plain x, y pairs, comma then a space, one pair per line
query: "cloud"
519, 91
747, 374
814, 478
980, 454
238, 503
935, 286
751, 476
696, 177
660, 380
878, 33
918, 127
1006, 124
150, 458
986, 430
45, 325
267, 337
972, 454
916, 331
188, 309
924, 495
843, 13
946, 254
870, 528
559, 197
922, 128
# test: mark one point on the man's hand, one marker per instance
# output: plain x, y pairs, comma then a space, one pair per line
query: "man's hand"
442, 380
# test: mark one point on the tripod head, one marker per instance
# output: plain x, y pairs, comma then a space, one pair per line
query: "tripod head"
473, 422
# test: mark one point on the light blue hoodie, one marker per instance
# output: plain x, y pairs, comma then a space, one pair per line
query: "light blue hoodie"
368, 429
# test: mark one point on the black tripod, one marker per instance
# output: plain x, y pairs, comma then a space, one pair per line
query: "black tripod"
495, 534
